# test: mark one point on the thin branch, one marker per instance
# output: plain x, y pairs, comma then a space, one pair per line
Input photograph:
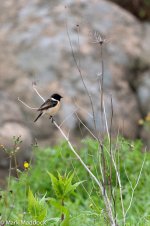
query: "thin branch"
80, 73
69, 115
137, 182
32, 108
120, 188
102, 76
100, 41
100, 165
89, 130
34, 87
106, 199
110, 150
89, 194
78, 31
27, 105
86, 127
82, 109
106, 122
78, 157
118, 179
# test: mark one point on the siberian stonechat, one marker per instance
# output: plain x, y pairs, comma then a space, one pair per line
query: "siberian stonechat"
51, 106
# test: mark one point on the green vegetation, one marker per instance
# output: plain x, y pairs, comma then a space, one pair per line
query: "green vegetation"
56, 189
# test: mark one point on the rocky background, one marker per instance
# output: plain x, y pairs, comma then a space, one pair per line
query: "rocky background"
35, 46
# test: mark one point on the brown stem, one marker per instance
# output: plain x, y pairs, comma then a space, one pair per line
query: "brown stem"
62, 215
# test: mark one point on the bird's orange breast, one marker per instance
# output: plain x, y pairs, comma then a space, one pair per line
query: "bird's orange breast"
52, 111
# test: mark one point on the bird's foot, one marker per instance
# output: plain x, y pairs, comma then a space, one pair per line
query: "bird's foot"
52, 119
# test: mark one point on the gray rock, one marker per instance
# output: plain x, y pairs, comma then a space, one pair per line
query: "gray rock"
8, 132
12, 125
35, 43
145, 43
143, 92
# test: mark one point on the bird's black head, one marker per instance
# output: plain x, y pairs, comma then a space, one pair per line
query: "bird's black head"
56, 96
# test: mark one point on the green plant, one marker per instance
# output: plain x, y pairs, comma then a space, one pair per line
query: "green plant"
63, 188
37, 207
33, 196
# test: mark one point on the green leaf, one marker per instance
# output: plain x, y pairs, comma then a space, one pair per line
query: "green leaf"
57, 186
36, 207
55, 203
69, 187
63, 186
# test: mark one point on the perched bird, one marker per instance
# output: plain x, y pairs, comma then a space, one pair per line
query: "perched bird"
51, 106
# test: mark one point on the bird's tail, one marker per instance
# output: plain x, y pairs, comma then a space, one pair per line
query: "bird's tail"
38, 117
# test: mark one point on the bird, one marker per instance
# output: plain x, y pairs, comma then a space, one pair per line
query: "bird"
51, 106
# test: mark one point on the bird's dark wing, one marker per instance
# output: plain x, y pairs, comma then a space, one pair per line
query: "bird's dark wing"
49, 103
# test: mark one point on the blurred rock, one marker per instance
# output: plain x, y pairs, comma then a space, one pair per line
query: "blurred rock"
145, 136
145, 43
143, 92
35, 46
12, 126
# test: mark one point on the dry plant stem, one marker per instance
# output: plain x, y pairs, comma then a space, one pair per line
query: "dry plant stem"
100, 42
16, 166
34, 87
78, 157
10, 167
68, 116
106, 200
105, 197
80, 73
91, 102
83, 110
117, 174
120, 188
86, 127
109, 139
102, 80
101, 90
133, 188
110, 150
78, 31
27, 105
95, 139
8, 187
106, 123
89, 194
103, 171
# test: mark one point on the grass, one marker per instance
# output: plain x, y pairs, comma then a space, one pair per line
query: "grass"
32, 199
